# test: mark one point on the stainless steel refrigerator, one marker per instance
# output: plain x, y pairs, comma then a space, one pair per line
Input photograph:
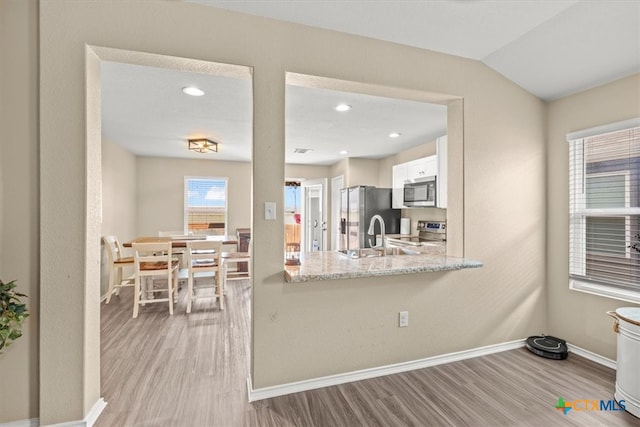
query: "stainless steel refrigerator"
357, 206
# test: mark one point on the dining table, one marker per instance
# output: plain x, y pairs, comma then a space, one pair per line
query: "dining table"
181, 241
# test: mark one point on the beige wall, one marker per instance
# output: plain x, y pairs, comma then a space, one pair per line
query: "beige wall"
363, 172
119, 200
307, 171
160, 189
355, 320
19, 205
576, 316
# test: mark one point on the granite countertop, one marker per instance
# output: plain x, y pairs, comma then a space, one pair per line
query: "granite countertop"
317, 266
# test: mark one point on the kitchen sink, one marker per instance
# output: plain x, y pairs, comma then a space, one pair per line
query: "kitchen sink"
377, 252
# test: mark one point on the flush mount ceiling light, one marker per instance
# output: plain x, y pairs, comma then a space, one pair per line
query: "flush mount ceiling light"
302, 150
344, 152
343, 107
203, 145
394, 134
193, 91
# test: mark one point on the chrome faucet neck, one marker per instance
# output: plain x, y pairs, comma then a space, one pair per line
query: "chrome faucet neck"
371, 231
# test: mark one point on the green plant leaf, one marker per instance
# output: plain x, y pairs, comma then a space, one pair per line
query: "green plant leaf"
13, 312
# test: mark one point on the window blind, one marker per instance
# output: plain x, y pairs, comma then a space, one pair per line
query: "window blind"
205, 205
604, 211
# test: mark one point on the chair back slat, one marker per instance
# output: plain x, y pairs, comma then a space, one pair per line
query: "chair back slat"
158, 253
201, 253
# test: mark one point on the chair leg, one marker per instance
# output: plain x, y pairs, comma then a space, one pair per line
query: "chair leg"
119, 285
189, 291
136, 297
170, 292
111, 285
220, 283
176, 285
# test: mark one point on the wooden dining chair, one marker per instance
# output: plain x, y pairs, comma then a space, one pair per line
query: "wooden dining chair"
173, 234
154, 260
117, 263
203, 263
234, 258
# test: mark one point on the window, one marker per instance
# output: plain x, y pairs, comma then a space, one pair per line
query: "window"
205, 205
604, 211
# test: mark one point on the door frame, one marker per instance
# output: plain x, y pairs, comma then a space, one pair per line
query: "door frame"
337, 183
305, 184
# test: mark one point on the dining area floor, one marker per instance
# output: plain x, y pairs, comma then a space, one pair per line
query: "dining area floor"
176, 370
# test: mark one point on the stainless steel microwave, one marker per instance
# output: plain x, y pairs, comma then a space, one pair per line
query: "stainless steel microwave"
422, 193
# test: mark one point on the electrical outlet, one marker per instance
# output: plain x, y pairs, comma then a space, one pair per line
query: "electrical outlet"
403, 319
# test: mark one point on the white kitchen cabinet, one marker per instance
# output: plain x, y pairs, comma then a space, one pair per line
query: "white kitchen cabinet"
423, 168
418, 169
400, 175
412, 171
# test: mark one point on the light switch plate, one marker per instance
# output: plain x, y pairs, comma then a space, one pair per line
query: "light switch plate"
270, 211
403, 319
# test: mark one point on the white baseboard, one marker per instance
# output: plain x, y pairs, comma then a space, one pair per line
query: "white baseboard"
592, 356
95, 412
315, 383
88, 421
296, 387
33, 422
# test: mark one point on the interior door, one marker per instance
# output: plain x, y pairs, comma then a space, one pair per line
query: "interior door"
314, 215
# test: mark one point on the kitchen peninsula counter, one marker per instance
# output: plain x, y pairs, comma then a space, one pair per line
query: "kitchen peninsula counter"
318, 266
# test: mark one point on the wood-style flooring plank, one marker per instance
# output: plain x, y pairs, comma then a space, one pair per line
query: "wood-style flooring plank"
191, 370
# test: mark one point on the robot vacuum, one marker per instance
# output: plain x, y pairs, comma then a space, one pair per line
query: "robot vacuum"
547, 346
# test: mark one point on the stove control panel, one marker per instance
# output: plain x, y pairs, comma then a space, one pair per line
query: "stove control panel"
432, 230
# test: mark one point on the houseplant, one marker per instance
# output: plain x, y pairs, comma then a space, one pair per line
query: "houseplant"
12, 314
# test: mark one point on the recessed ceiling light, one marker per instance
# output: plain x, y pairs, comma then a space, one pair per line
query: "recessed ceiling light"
193, 91
343, 107
394, 134
344, 152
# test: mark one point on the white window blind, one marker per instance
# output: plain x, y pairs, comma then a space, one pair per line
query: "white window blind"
604, 213
205, 205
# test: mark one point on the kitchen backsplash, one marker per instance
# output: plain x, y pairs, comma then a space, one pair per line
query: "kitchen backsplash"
416, 214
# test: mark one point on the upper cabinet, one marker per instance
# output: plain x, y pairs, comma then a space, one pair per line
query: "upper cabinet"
400, 175
418, 169
422, 168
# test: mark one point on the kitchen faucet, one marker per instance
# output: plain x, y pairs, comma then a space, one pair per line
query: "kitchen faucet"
371, 232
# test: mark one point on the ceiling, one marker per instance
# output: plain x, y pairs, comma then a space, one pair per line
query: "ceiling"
550, 48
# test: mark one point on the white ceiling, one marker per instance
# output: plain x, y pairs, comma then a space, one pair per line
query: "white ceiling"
145, 111
550, 48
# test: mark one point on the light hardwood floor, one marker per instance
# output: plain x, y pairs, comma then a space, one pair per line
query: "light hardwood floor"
191, 370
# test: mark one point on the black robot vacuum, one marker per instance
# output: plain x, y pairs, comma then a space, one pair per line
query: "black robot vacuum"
547, 346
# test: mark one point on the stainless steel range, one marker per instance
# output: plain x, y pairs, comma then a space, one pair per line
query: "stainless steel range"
429, 231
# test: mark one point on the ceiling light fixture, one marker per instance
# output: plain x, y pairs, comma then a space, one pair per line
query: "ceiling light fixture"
203, 145
343, 107
193, 91
344, 152
394, 134
302, 150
